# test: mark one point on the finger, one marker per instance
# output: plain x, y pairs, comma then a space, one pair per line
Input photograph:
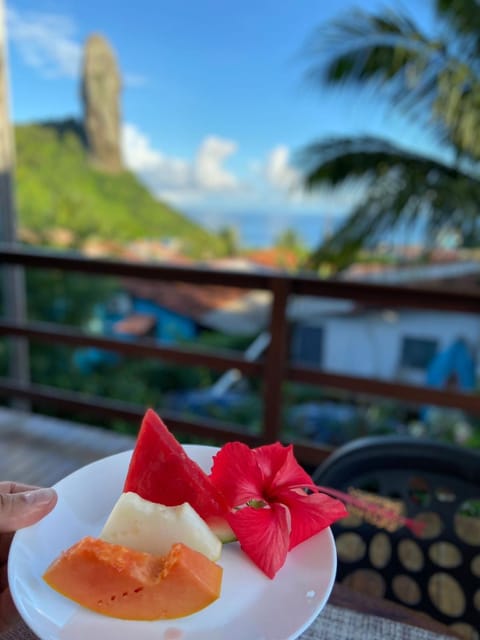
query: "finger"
22, 509
7, 486
8, 613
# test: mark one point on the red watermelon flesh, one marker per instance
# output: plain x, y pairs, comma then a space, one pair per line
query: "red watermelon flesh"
161, 471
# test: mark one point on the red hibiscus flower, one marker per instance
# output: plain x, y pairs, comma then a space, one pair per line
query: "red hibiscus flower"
274, 505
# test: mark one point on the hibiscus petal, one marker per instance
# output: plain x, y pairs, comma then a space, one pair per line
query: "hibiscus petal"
236, 474
263, 535
270, 458
280, 468
310, 513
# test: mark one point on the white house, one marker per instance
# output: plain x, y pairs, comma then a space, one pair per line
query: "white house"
342, 337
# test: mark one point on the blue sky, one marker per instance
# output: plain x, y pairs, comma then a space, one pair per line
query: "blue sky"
215, 103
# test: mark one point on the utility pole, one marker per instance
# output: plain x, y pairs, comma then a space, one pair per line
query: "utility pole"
13, 278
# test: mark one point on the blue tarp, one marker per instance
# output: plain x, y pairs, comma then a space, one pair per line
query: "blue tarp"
454, 363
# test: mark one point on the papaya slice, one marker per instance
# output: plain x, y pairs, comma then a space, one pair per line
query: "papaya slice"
123, 583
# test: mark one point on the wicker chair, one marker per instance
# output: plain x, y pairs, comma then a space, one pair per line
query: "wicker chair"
437, 572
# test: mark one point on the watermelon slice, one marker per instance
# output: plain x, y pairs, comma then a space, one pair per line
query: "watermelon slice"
161, 471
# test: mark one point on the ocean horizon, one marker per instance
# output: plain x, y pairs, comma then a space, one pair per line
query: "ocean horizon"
257, 229
262, 229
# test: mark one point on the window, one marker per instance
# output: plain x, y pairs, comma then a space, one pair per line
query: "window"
417, 353
307, 345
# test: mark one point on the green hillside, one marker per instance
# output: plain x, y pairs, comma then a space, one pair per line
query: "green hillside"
58, 188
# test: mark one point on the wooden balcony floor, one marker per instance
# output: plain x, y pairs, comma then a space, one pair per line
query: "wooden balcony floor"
41, 450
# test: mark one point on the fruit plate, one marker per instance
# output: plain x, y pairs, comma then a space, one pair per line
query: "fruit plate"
251, 606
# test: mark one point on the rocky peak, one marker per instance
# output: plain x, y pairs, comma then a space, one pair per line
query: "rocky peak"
101, 88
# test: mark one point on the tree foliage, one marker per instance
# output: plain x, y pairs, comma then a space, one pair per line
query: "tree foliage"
57, 188
290, 240
434, 79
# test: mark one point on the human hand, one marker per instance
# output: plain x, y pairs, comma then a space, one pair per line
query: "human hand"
20, 506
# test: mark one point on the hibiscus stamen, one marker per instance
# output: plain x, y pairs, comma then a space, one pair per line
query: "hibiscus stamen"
374, 511
257, 504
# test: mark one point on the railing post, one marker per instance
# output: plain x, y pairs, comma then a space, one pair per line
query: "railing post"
13, 276
276, 361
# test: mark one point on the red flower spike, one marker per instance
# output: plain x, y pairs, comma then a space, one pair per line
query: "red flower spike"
270, 511
375, 513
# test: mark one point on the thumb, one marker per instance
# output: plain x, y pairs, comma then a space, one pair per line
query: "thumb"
24, 508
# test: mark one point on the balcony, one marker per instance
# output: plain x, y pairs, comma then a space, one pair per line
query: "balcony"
274, 369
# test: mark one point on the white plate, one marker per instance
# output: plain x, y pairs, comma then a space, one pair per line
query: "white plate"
251, 606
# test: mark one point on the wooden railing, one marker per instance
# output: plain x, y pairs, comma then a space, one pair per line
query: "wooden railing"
274, 369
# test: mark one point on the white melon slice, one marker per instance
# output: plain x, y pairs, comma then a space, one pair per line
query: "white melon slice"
145, 526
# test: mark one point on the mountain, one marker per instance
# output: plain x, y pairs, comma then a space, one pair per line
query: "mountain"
58, 188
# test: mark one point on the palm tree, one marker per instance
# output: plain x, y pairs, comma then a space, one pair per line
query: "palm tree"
231, 240
290, 239
435, 80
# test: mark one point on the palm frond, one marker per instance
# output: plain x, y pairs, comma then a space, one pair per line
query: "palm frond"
436, 79
334, 160
403, 186
464, 16
365, 46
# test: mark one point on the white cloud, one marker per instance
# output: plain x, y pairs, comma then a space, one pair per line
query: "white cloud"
279, 173
159, 171
45, 41
287, 185
208, 170
175, 179
48, 42
203, 181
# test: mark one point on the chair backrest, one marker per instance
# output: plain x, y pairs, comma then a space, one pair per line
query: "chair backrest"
437, 572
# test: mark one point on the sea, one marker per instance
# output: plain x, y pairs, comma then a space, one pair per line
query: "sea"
260, 229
